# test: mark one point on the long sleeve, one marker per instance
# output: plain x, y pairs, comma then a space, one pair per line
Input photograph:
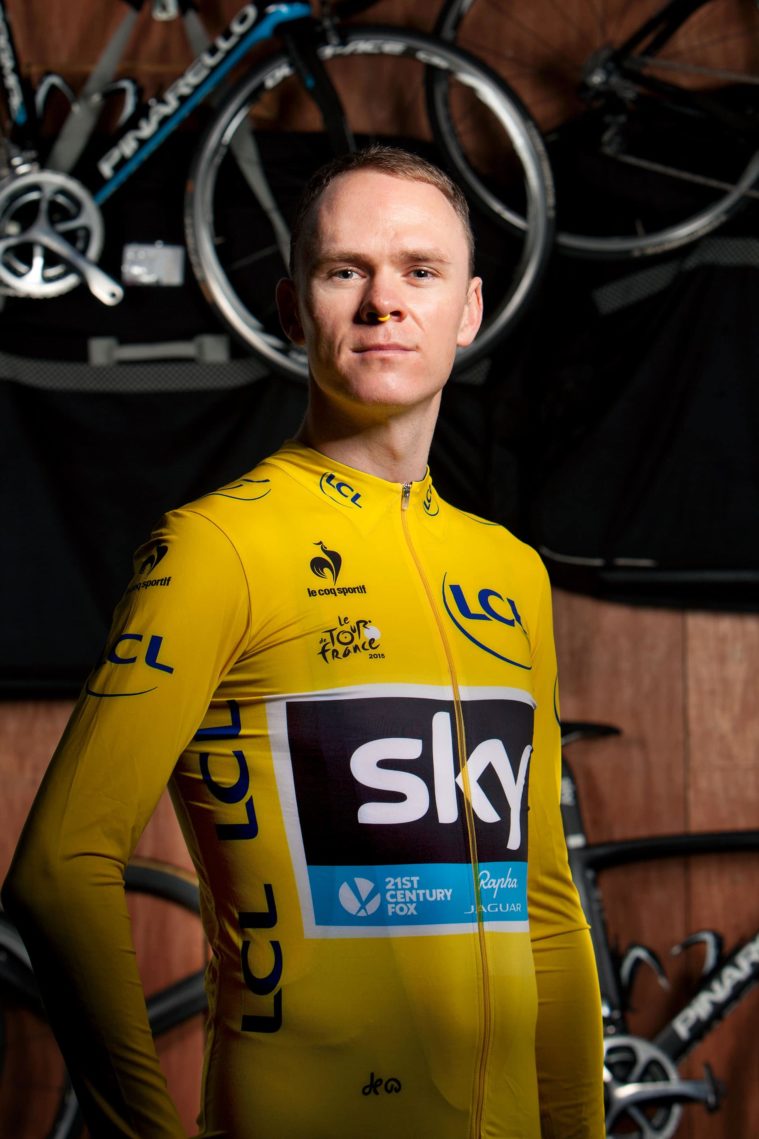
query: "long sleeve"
569, 1043
178, 627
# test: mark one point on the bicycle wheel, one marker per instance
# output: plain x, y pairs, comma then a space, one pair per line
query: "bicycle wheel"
37, 1100
651, 131
246, 178
36, 1097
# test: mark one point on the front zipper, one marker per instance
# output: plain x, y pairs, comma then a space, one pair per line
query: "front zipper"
468, 814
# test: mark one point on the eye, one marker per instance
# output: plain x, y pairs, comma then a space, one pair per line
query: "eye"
422, 274
345, 274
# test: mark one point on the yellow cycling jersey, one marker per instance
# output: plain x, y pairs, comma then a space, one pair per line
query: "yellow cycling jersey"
360, 684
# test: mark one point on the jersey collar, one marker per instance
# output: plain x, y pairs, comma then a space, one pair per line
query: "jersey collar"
353, 489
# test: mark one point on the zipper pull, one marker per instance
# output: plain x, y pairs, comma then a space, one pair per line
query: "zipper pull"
405, 495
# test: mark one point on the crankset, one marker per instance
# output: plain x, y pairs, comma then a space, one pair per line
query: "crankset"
51, 235
644, 1091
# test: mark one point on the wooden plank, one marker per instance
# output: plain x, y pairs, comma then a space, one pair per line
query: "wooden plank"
623, 665
723, 793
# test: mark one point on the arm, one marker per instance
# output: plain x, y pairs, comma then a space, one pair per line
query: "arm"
569, 1043
168, 646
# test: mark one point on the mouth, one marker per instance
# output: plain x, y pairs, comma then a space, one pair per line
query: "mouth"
381, 349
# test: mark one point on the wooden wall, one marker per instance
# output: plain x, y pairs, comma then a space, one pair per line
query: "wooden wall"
683, 689
681, 686
538, 46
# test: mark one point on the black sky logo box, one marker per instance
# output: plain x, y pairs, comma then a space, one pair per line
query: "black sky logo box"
372, 795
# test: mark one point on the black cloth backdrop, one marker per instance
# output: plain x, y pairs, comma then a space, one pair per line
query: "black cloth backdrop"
86, 476
645, 479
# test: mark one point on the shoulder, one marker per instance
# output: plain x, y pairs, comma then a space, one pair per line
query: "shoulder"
226, 512
496, 540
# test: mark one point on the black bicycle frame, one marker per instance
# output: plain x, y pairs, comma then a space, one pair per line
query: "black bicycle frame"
17, 95
722, 986
648, 40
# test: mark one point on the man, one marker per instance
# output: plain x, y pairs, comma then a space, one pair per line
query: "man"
359, 683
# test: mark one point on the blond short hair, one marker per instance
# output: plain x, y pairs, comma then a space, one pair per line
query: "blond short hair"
387, 160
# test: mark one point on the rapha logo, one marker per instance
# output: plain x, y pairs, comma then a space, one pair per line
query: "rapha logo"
328, 564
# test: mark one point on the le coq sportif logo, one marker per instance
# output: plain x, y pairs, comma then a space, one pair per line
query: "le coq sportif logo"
326, 565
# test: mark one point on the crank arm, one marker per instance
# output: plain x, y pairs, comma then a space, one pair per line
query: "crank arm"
664, 1091
103, 287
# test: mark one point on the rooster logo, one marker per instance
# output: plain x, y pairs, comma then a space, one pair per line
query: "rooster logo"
327, 565
158, 553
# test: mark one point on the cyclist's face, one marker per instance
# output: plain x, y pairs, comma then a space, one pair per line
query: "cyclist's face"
380, 246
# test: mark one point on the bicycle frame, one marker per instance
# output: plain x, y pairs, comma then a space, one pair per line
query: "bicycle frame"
151, 124
15, 94
627, 62
724, 982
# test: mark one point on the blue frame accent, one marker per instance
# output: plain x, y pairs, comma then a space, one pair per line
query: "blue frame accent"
281, 14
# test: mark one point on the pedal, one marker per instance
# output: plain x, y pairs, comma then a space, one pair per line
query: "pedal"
717, 1089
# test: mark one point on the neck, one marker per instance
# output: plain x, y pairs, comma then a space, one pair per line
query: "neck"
394, 447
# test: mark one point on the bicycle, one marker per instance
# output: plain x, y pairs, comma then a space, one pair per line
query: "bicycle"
649, 112
36, 1097
241, 186
644, 1089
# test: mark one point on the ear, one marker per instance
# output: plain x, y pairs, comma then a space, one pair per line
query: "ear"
471, 318
287, 307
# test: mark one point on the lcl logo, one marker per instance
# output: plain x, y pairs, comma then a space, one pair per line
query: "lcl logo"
486, 611
483, 616
122, 651
339, 491
133, 649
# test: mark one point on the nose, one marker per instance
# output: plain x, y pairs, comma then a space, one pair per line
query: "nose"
380, 303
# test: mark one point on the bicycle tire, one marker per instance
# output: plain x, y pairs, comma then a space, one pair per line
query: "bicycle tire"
670, 205
37, 1100
217, 194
